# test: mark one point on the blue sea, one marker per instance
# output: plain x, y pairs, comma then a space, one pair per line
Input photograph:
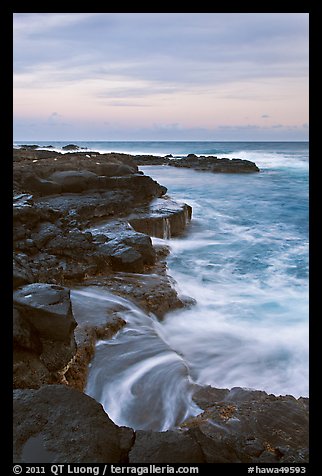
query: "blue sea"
244, 259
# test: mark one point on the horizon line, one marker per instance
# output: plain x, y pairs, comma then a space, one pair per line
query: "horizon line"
152, 140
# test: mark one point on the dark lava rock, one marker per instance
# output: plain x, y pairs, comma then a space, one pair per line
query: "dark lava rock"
40, 186
165, 447
117, 196
151, 160
144, 188
44, 342
95, 321
25, 335
29, 213
153, 292
215, 165
202, 163
84, 208
45, 232
25, 146
70, 147
59, 424
26, 154
29, 371
72, 243
163, 219
244, 426
123, 258
139, 242
128, 250
237, 426
48, 308
22, 273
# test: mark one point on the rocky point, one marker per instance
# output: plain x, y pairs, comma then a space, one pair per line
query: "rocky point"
86, 219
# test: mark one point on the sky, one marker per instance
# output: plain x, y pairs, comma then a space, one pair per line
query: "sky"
160, 76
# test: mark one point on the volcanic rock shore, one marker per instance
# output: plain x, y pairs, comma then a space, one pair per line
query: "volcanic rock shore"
84, 219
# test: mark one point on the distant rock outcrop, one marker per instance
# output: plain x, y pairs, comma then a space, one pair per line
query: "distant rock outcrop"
70, 147
206, 164
215, 165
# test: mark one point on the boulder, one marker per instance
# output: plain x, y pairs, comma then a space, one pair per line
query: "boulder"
128, 250
70, 147
163, 219
140, 242
47, 308
58, 424
44, 342
122, 257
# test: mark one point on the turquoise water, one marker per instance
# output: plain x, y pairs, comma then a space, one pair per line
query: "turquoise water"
245, 261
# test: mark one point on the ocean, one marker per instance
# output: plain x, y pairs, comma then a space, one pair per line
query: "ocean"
244, 259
